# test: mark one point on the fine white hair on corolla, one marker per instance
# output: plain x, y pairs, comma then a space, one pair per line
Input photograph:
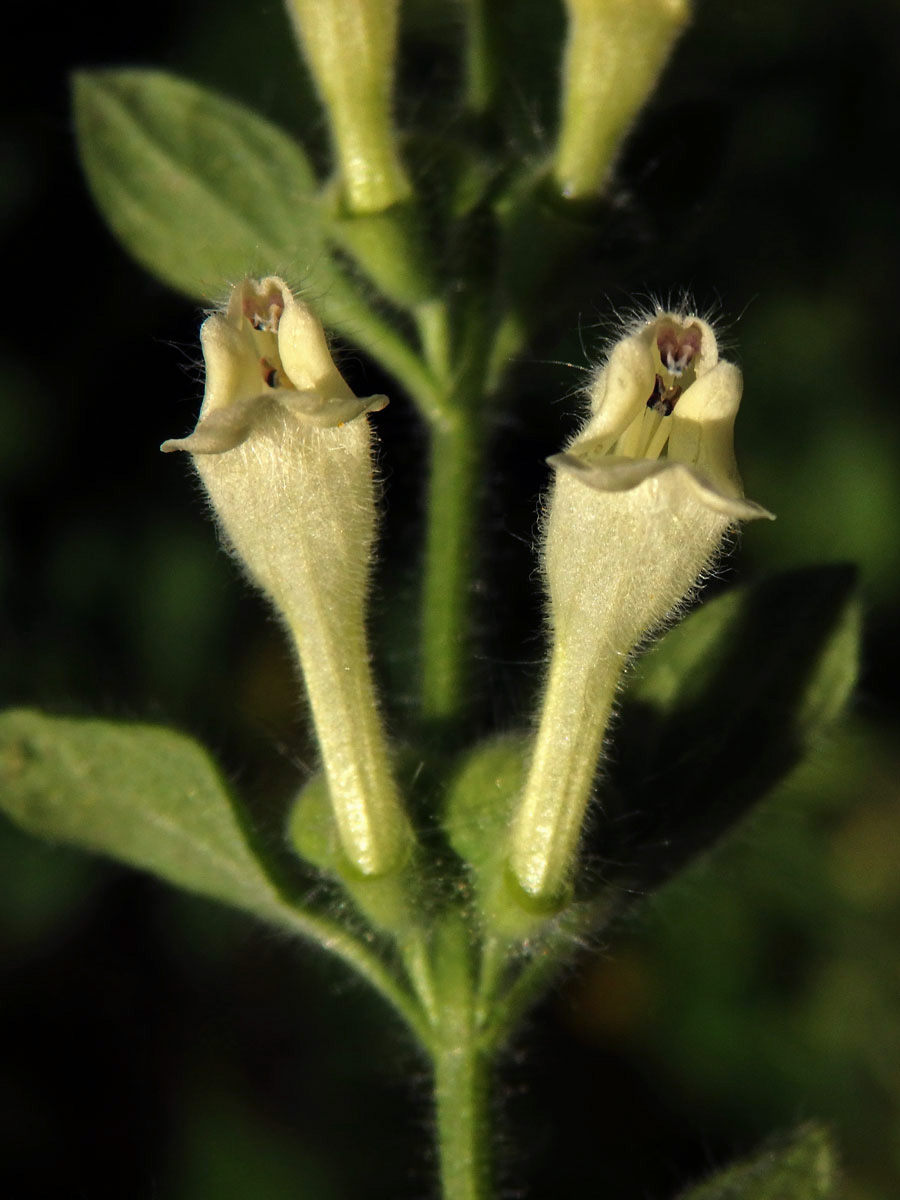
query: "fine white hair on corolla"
284, 449
621, 320
643, 498
663, 393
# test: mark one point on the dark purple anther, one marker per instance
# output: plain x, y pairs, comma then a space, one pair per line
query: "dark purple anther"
663, 399
677, 347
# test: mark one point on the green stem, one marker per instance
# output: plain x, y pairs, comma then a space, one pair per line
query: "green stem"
453, 496
479, 65
461, 1069
527, 988
572, 929
495, 957
418, 967
344, 945
461, 1073
432, 319
508, 339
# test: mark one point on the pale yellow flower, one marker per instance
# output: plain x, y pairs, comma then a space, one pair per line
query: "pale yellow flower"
285, 453
267, 357
643, 498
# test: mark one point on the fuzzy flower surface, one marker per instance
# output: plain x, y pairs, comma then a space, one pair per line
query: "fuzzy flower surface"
642, 500
649, 486
267, 350
284, 450
282, 446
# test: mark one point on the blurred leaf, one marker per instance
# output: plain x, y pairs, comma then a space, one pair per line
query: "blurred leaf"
148, 796
797, 1167
200, 189
224, 1144
721, 710
153, 798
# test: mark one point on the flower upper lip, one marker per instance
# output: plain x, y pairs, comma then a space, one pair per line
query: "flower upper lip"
664, 402
267, 348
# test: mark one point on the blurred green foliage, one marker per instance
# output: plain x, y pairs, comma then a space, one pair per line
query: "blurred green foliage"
170, 1049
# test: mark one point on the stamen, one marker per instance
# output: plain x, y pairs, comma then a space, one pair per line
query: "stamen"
663, 399
677, 347
658, 441
270, 374
263, 309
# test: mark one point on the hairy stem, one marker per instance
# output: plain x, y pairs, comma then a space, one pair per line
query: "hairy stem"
453, 496
461, 1071
570, 930
461, 1092
366, 962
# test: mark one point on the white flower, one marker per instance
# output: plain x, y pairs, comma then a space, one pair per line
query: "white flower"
643, 498
285, 453
665, 400
266, 355
648, 488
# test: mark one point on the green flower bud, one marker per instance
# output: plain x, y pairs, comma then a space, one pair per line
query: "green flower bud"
351, 46
615, 50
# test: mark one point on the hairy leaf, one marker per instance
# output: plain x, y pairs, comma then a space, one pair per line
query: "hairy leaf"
152, 798
797, 1167
146, 795
201, 190
720, 711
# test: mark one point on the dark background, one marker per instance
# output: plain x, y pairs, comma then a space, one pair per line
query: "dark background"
157, 1046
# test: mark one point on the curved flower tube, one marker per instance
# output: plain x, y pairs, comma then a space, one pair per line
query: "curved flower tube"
284, 451
643, 498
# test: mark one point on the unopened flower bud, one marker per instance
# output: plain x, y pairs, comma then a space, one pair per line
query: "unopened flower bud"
351, 47
284, 450
615, 51
641, 504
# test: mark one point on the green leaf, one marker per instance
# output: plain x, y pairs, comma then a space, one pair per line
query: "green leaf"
798, 631
201, 190
153, 798
725, 706
148, 796
797, 1167
204, 192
